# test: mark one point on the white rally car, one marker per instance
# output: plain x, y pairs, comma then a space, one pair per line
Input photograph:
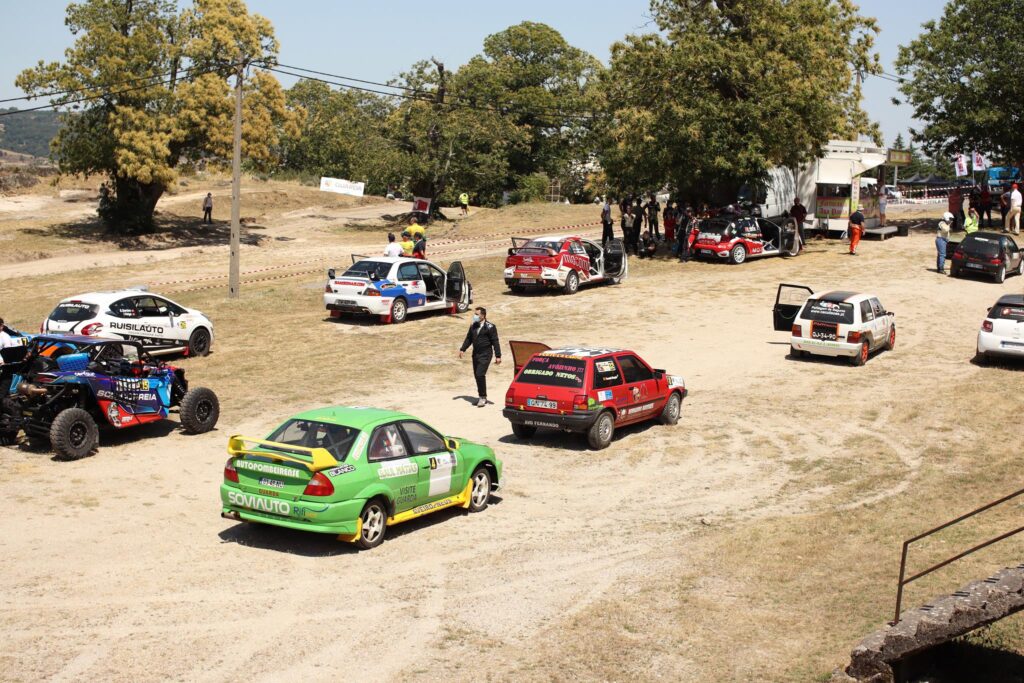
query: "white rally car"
834, 323
159, 324
1002, 332
393, 287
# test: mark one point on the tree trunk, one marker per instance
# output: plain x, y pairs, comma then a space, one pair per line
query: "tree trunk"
128, 210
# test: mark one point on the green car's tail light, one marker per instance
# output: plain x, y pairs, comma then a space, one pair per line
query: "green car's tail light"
319, 485
230, 473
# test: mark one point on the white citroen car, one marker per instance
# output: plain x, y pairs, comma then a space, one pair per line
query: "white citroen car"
1002, 332
159, 324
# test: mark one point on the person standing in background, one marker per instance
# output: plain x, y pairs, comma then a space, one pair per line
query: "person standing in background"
393, 248
464, 203
653, 212
606, 222
856, 230
208, 209
985, 205
1012, 221
942, 241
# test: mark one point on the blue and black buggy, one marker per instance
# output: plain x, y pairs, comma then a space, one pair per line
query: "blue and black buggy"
57, 389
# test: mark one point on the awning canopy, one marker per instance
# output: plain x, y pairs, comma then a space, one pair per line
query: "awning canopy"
841, 170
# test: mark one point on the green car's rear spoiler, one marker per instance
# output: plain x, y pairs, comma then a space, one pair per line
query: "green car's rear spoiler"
313, 459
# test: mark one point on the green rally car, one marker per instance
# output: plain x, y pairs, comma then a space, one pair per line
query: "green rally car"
353, 472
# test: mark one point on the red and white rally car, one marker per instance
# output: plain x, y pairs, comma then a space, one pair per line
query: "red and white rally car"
737, 238
563, 262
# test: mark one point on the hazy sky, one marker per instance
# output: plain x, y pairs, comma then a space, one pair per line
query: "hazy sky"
376, 40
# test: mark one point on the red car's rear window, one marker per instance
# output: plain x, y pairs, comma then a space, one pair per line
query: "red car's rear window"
555, 371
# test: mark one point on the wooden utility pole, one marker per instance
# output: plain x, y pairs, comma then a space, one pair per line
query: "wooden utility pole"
236, 188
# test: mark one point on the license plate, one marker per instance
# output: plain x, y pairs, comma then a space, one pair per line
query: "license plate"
706, 251
975, 265
344, 302
825, 334
528, 281
537, 403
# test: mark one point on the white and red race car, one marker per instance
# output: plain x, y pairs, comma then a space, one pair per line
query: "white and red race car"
738, 238
563, 262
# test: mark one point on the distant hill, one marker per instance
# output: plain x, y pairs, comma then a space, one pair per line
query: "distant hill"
29, 133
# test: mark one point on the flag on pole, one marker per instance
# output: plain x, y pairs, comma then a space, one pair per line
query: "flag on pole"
960, 164
980, 162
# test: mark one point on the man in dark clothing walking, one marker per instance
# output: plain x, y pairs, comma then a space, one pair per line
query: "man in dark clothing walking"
208, 208
483, 337
606, 223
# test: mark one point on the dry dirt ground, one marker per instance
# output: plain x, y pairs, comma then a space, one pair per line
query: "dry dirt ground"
757, 540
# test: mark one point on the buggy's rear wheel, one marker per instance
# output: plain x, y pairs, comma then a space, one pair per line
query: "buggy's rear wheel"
199, 411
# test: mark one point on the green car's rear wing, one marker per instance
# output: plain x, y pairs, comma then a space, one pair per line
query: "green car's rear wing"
313, 459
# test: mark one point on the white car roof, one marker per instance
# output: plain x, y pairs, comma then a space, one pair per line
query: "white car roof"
840, 296
102, 298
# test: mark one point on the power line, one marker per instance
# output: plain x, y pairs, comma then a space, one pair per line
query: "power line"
87, 88
471, 103
99, 96
425, 97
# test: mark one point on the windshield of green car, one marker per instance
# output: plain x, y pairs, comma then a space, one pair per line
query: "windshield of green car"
337, 439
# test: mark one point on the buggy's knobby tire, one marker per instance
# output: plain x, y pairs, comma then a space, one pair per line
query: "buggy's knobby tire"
8, 438
199, 342
523, 431
199, 411
572, 283
601, 432
670, 413
74, 434
375, 524
480, 493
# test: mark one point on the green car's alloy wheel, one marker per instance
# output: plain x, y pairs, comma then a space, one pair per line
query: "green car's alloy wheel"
480, 494
600, 433
375, 519
74, 434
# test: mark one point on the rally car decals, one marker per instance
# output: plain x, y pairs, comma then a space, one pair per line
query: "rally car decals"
563, 261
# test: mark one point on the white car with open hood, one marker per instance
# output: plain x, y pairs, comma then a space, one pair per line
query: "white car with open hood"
159, 324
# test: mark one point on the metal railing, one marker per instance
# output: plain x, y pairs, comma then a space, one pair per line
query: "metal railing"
906, 544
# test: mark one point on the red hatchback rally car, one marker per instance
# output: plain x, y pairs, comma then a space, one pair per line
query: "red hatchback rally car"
587, 390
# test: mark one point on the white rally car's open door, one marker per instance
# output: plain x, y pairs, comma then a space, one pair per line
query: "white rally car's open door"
523, 351
788, 300
456, 287
616, 264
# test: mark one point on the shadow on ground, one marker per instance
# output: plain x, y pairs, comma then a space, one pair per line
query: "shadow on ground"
963, 661
170, 232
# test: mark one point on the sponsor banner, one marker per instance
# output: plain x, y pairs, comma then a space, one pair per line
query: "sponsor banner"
898, 157
421, 204
979, 162
960, 165
832, 207
341, 186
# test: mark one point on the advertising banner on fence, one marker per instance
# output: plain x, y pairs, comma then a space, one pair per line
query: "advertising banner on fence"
342, 186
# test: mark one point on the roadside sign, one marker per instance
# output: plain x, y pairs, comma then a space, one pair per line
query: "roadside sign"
421, 205
898, 157
341, 186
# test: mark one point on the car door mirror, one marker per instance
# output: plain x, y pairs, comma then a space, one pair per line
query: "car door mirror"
659, 374
511, 251
451, 444
330, 273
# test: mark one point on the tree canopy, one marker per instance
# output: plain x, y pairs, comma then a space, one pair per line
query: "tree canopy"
730, 88
963, 80
164, 99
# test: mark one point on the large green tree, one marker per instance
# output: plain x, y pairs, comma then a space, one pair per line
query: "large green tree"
161, 76
730, 88
964, 79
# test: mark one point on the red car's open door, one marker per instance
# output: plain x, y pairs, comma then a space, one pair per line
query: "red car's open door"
523, 351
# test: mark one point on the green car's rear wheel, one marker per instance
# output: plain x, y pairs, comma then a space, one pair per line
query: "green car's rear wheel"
375, 524
480, 494
74, 434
